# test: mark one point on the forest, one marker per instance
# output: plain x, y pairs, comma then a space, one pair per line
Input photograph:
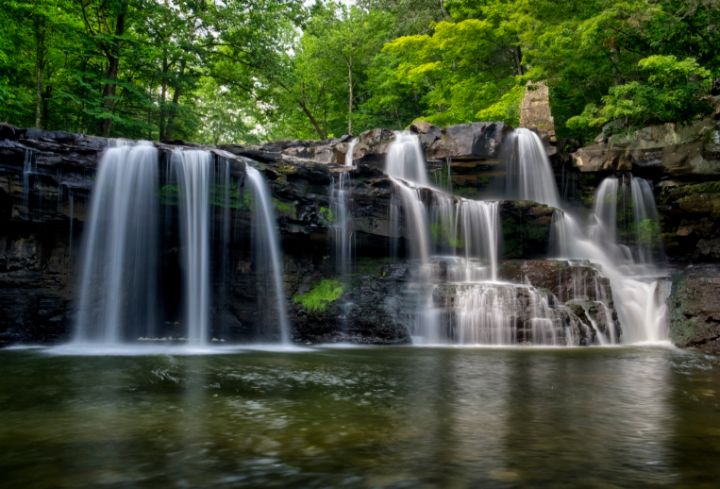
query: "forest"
247, 71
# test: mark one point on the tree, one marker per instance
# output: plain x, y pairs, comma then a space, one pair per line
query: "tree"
672, 91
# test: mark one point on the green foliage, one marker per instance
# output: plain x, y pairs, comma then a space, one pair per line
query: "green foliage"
648, 232
169, 194
327, 214
286, 208
320, 296
673, 90
244, 72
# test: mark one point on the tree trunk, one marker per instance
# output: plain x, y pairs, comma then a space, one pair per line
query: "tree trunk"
172, 114
39, 69
46, 105
111, 75
350, 97
312, 120
517, 53
163, 95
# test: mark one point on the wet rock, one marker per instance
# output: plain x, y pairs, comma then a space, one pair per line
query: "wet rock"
368, 312
695, 308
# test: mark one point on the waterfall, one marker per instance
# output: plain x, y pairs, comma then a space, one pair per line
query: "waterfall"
529, 174
349, 155
342, 227
29, 168
405, 165
267, 246
625, 221
480, 227
117, 293
453, 225
405, 159
194, 170
637, 293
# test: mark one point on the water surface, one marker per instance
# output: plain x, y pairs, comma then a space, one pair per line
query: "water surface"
367, 417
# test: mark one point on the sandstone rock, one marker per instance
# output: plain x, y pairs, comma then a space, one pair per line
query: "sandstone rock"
535, 111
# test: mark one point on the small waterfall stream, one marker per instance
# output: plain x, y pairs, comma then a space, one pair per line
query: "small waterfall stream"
636, 277
342, 228
267, 247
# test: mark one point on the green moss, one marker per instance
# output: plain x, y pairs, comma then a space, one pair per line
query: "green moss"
700, 188
285, 208
327, 214
648, 231
320, 296
220, 196
169, 194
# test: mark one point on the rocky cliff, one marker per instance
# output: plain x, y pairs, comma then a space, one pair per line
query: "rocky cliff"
46, 179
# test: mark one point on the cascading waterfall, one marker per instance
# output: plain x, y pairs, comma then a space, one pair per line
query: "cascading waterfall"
476, 308
637, 284
267, 246
118, 279
194, 169
480, 225
405, 165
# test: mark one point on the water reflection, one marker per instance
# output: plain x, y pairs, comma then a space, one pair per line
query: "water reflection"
389, 418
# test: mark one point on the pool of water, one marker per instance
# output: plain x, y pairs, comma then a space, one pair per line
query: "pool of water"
366, 417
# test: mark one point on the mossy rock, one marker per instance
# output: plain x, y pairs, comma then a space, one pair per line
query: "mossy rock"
320, 296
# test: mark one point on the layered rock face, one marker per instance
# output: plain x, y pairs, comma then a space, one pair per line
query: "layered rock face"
46, 179
683, 161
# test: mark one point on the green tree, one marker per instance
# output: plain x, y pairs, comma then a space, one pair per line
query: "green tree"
672, 91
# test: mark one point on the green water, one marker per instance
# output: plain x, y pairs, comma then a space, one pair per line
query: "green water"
386, 418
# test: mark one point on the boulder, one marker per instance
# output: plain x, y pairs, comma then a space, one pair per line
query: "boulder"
695, 308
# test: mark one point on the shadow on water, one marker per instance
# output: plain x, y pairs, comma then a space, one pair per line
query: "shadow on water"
365, 417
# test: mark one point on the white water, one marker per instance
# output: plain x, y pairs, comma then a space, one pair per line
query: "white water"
625, 221
454, 225
343, 233
637, 292
529, 174
267, 247
405, 159
117, 293
194, 171
29, 167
